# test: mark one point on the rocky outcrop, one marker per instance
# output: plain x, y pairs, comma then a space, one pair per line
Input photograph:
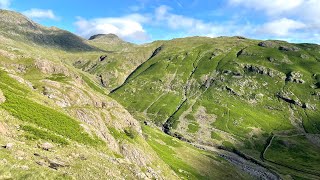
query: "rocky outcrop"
66, 95
268, 44
278, 44
288, 48
22, 81
48, 67
46, 146
135, 155
109, 36
263, 70
230, 90
110, 39
287, 98
295, 77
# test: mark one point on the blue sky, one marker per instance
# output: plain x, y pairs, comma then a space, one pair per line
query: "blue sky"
148, 20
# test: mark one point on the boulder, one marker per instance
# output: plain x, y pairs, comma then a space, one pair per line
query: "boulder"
55, 164
46, 146
295, 77
8, 146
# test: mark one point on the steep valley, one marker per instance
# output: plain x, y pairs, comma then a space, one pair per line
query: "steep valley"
188, 108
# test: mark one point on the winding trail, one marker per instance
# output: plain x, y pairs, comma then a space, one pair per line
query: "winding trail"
302, 132
268, 144
245, 163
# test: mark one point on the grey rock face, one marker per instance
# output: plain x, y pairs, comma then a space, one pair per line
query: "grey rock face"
295, 77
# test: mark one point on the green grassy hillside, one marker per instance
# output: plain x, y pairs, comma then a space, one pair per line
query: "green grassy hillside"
58, 122
243, 95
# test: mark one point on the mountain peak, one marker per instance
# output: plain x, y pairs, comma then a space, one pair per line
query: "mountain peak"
17, 26
106, 38
11, 17
103, 36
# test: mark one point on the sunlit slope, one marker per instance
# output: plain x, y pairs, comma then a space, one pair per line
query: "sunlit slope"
57, 122
233, 92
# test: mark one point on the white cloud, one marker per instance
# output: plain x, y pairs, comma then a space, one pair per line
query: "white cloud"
4, 4
294, 19
190, 26
40, 14
127, 27
273, 7
281, 27
281, 19
309, 11
131, 27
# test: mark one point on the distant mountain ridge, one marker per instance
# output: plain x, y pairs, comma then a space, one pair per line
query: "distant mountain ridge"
16, 26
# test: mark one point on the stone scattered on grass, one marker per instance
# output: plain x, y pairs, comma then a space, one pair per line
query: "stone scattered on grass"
8, 146
46, 146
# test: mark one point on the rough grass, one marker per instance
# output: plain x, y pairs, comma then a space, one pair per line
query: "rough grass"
292, 152
193, 127
58, 78
215, 135
188, 162
212, 73
92, 85
26, 110
35, 133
